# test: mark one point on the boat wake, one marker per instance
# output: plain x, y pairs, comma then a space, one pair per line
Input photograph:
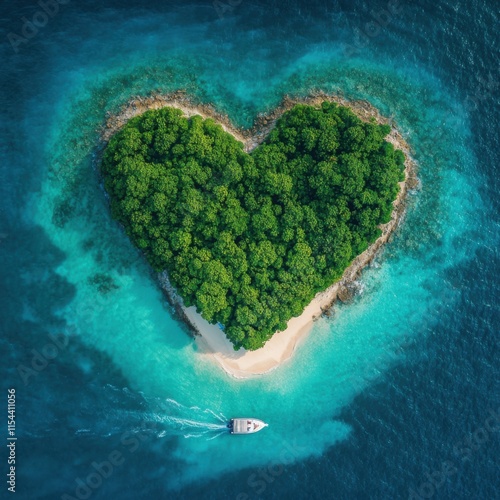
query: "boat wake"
151, 417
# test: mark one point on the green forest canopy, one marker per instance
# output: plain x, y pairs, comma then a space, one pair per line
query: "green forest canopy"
249, 239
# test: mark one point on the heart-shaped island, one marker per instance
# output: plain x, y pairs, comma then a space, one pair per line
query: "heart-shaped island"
249, 238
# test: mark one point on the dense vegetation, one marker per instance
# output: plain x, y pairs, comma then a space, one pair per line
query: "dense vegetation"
251, 238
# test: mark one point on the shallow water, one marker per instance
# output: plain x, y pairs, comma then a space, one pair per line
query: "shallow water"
376, 396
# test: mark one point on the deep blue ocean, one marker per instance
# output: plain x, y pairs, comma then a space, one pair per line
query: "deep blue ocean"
396, 396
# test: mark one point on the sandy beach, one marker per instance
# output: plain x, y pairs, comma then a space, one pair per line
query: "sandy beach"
210, 338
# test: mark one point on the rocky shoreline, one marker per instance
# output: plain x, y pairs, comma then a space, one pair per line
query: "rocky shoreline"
341, 290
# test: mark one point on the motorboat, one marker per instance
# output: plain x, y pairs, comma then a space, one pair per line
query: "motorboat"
245, 425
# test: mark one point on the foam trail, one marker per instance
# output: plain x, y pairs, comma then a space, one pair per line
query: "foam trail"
194, 423
217, 435
139, 414
220, 416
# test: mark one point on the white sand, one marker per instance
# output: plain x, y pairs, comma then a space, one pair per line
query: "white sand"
243, 363
212, 341
282, 345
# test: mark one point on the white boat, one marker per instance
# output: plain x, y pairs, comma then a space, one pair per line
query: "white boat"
245, 425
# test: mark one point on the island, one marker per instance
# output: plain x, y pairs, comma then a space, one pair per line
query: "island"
255, 232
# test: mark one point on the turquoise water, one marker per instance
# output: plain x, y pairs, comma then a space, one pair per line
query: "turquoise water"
131, 324
94, 62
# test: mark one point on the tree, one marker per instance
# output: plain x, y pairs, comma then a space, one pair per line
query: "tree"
249, 239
